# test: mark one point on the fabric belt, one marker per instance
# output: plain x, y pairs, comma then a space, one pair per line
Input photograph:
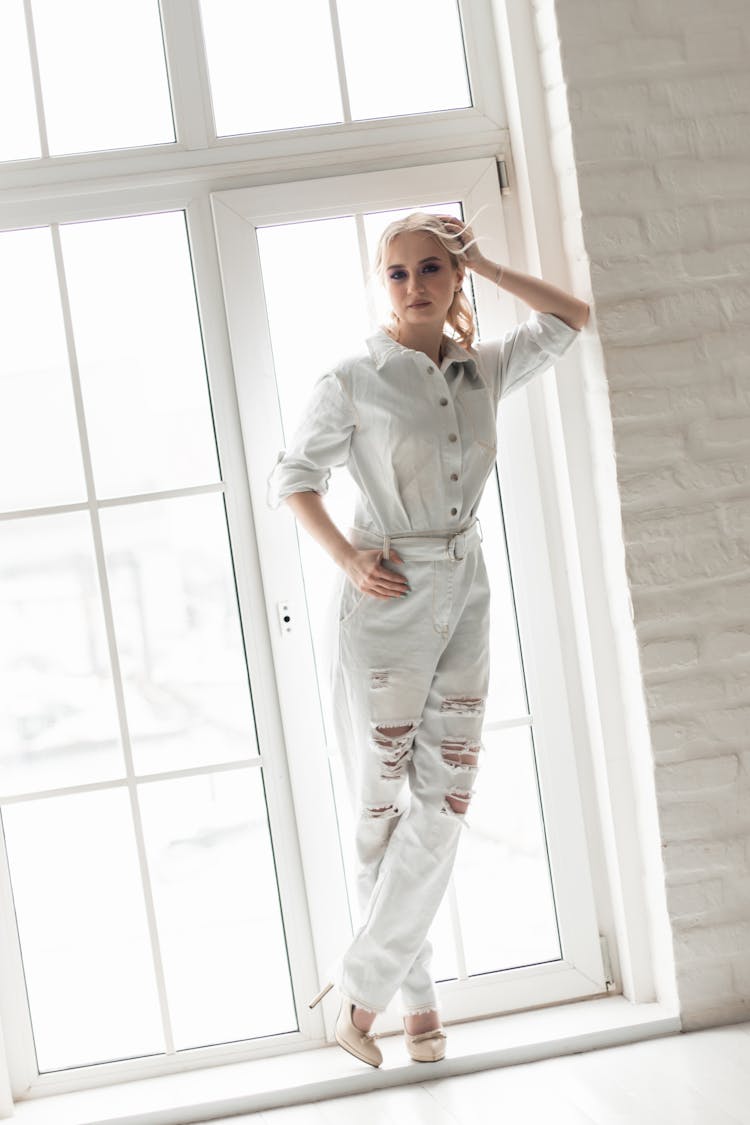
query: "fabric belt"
419, 546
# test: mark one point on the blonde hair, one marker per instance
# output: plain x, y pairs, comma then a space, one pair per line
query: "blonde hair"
460, 315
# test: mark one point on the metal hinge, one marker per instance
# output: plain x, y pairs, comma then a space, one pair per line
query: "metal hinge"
609, 980
502, 175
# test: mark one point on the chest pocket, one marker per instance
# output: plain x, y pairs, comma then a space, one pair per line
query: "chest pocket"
476, 409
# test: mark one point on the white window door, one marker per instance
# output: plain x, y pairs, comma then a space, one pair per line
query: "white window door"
142, 923
518, 925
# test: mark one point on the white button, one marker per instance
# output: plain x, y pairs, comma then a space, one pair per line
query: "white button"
430, 370
454, 511
452, 437
443, 401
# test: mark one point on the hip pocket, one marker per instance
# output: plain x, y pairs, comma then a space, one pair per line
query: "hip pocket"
350, 601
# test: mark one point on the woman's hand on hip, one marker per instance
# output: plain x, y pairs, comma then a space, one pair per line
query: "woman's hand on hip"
365, 569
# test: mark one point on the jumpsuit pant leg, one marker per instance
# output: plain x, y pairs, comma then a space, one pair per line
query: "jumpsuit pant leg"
418, 990
408, 689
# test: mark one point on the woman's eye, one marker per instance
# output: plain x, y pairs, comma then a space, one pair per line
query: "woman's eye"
432, 267
397, 275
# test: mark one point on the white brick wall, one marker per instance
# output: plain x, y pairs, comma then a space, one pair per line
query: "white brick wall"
651, 101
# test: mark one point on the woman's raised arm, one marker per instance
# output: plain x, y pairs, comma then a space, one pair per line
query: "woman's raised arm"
538, 294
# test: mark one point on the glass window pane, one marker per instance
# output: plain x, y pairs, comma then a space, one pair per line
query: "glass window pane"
58, 720
82, 925
103, 74
178, 633
502, 875
403, 56
19, 133
271, 66
40, 458
217, 907
140, 353
311, 273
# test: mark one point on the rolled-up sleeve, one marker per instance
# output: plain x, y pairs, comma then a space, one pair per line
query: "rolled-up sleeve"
321, 442
528, 349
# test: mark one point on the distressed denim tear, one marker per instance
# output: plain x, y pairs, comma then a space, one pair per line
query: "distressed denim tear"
459, 754
463, 704
394, 741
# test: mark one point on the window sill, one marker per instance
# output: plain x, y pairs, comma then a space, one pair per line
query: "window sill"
327, 1072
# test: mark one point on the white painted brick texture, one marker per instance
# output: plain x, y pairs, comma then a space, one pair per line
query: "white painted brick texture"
654, 98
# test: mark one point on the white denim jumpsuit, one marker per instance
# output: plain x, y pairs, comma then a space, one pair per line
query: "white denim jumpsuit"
409, 675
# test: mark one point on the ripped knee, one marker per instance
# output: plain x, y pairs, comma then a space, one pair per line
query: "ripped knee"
395, 744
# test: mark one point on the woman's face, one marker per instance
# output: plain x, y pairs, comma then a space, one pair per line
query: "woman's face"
419, 279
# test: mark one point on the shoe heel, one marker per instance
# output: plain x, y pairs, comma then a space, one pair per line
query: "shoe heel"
321, 994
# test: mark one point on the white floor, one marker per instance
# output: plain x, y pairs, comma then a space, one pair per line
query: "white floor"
694, 1078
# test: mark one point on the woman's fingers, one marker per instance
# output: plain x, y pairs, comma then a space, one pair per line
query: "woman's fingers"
390, 582
384, 582
377, 580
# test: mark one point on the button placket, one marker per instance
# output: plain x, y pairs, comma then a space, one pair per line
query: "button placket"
453, 490
454, 450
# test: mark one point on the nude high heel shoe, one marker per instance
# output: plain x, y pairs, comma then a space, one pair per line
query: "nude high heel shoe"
358, 1043
427, 1046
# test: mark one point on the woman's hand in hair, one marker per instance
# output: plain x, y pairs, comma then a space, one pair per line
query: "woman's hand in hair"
465, 241
368, 573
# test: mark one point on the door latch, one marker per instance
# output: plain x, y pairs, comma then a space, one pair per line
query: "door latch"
285, 617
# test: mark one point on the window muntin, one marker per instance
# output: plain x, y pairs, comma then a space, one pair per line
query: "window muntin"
102, 76
85, 929
103, 81
263, 78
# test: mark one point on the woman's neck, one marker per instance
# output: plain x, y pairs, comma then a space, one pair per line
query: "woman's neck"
432, 346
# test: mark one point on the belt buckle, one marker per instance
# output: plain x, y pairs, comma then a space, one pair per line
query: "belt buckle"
452, 546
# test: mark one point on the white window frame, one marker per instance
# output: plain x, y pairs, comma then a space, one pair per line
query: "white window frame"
355, 143
238, 214
570, 416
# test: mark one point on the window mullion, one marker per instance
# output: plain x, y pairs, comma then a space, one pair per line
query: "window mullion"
188, 76
111, 639
340, 63
36, 78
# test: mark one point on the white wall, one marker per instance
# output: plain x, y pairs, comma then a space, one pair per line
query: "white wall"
652, 99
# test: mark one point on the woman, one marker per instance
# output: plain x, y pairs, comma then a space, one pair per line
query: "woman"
414, 420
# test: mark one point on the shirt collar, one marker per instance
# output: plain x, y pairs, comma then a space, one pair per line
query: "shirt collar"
383, 347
